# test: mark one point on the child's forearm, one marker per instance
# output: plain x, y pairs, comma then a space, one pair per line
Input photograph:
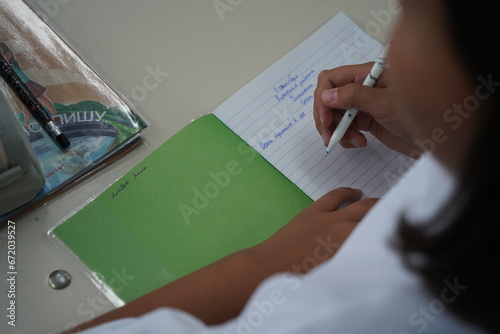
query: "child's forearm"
219, 291
213, 294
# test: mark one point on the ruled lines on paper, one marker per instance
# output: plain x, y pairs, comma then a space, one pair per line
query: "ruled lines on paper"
273, 114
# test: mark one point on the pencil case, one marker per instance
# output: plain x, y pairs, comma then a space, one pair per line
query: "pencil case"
21, 176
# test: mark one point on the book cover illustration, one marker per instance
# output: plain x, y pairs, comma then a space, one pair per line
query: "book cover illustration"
95, 119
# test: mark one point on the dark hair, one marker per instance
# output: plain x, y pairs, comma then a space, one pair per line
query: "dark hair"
467, 249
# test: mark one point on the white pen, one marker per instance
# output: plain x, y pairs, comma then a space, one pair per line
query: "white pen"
350, 113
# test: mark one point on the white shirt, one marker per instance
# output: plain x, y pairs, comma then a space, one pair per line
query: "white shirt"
364, 288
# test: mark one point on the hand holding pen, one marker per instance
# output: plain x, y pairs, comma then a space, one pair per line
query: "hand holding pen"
341, 88
370, 81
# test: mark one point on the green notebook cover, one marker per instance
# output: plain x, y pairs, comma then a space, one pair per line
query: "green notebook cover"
200, 196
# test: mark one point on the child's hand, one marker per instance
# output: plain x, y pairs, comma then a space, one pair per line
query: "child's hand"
342, 88
315, 234
312, 237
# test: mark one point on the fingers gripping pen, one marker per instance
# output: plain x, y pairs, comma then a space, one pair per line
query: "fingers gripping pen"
350, 113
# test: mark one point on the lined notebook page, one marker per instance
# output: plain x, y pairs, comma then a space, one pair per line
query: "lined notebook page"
273, 114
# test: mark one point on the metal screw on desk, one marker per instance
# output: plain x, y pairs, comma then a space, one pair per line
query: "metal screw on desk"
59, 279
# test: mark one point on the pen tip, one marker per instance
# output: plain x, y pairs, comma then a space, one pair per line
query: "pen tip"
63, 141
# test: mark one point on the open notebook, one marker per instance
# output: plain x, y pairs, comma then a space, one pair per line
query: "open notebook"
230, 179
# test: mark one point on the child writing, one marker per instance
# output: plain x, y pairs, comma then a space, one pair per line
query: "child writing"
421, 259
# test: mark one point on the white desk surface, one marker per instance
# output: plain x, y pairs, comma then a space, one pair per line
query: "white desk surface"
208, 57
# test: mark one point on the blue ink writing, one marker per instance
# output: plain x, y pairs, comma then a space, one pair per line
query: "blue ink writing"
282, 132
266, 144
296, 87
304, 91
306, 77
290, 80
